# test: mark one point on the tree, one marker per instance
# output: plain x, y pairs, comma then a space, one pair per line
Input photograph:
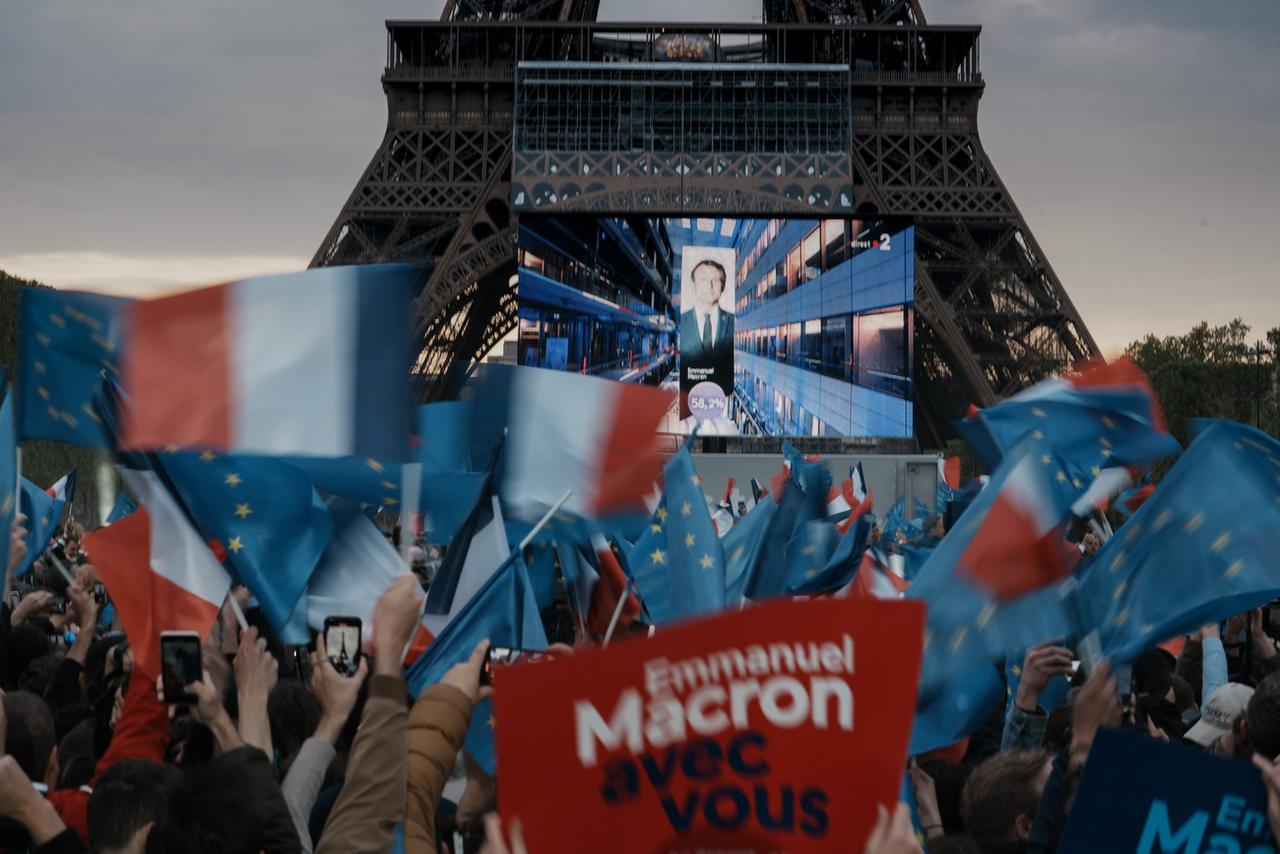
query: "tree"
1212, 372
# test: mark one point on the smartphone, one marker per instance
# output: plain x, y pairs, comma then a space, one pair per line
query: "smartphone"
100, 593
180, 665
342, 643
500, 655
58, 605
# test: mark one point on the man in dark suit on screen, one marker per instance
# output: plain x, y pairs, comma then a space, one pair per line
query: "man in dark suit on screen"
706, 330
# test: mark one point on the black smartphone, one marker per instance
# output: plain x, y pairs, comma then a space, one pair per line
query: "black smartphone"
342, 643
1271, 620
58, 605
100, 593
180, 665
500, 655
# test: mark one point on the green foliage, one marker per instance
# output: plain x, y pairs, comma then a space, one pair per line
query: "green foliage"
1213, 372
45, 462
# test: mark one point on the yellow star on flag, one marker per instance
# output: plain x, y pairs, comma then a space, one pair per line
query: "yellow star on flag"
707, 562
686, 509
243, 510
232, 479
658, 556
374, 464
661, 514
171, 449
689, 540
235, 545
389, 484
207, 456
657, 529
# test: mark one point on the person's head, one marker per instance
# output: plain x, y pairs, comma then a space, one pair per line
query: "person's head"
999, 801
127, 799
1262, 717
742, 508
27, 642
198, 817
294, 713
1090, 543
76, 760
29, 736
934, 527
709, 279
39, 672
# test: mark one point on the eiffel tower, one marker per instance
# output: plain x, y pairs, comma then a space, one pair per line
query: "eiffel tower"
470, 143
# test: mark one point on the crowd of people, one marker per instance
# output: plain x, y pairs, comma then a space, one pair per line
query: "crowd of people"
281, 752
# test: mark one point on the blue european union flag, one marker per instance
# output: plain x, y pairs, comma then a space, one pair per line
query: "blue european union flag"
742, 545
807, 555
264, 512
43, 512
955, 706
66, 339
479, 741
123, 507
1091, 424
840, 566
8, 461
366, 481
646, 565
694, 559
503, 610
1201, 548
894, 522
803, 499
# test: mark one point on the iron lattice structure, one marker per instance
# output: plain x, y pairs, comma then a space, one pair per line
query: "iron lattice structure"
827, 107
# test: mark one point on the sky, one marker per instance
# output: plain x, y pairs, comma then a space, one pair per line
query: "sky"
146, 145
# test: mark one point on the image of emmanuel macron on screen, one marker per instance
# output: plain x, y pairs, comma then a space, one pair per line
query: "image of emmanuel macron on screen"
706, 329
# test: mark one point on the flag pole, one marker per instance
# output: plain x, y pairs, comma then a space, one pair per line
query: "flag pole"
555, 508
58, 565
410, 486
237, 610
617, 613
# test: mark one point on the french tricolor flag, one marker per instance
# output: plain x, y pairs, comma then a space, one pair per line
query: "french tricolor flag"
310, 363
568, 431
160, 574
1020, 545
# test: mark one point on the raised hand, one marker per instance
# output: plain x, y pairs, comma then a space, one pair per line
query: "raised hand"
1039, 665
395, 618
337, 693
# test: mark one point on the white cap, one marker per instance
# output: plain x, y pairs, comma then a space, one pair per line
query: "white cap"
1225, 704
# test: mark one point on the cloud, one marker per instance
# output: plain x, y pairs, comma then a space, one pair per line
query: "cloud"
141, 275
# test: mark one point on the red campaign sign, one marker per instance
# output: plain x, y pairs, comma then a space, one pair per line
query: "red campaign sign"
774, 729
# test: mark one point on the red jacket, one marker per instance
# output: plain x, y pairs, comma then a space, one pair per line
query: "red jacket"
141, 733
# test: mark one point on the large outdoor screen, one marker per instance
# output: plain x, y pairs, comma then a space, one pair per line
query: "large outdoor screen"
775, 327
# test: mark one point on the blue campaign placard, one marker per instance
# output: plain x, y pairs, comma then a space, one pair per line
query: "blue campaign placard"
1141, 795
